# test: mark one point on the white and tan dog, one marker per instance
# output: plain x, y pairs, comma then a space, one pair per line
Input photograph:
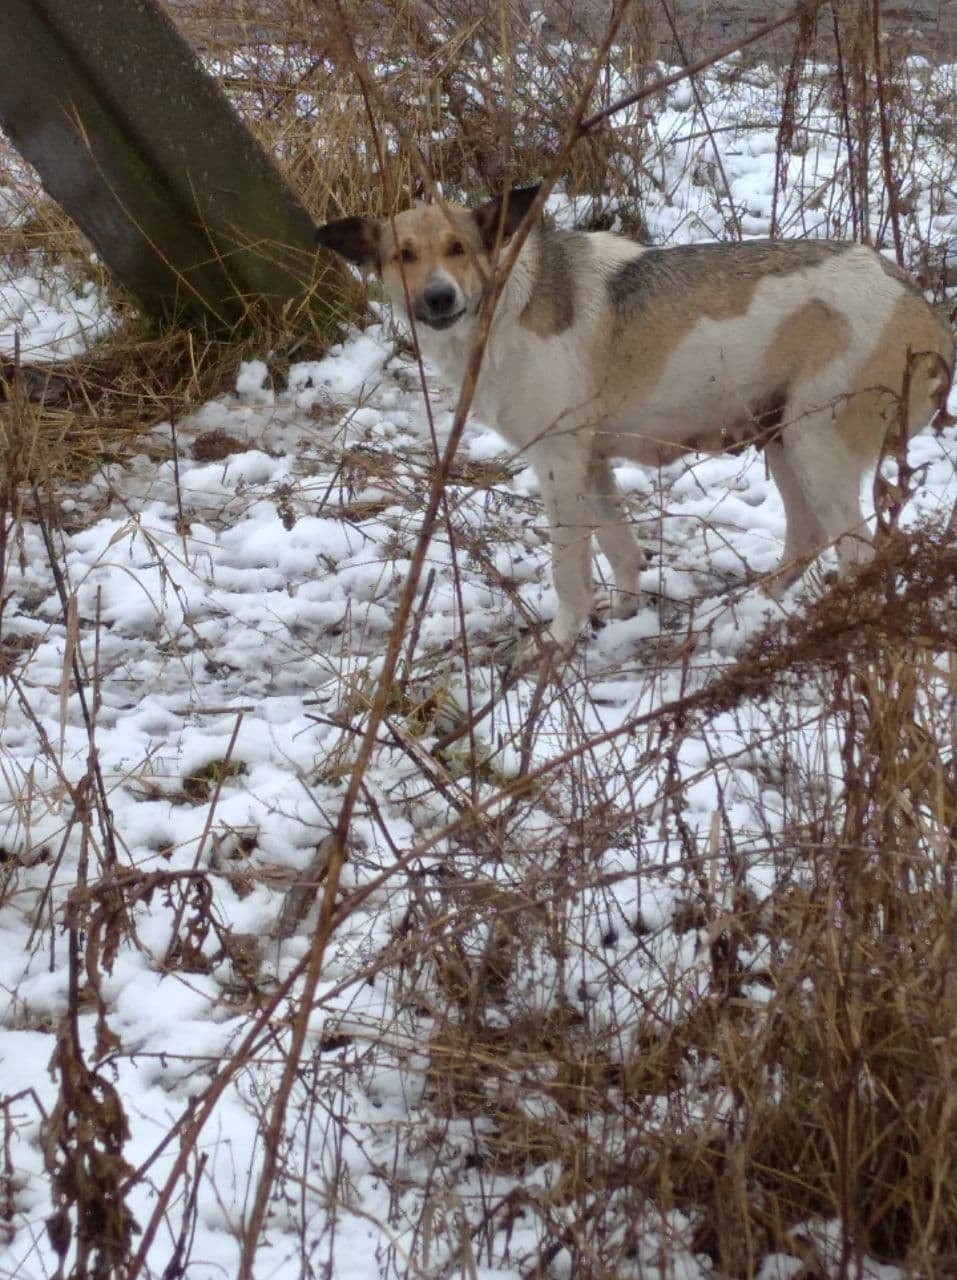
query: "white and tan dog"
601, 348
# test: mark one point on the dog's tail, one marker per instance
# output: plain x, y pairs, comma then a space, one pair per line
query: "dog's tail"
930, 377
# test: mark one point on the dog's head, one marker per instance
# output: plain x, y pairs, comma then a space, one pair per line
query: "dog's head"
438, 258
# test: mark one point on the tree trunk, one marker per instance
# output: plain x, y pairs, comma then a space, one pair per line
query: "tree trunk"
144, 152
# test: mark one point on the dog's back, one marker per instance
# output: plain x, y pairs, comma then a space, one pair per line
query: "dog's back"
715, 346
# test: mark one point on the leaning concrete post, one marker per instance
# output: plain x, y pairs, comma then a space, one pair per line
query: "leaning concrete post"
144, 152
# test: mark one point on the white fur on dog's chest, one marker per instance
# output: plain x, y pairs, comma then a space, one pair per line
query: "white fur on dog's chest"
524, 382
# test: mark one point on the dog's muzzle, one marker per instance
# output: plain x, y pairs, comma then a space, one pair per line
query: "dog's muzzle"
438, 305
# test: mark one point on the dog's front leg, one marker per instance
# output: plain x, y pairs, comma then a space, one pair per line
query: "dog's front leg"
562, 469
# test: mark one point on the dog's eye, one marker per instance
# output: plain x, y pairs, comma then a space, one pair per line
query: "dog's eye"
407, 253
456, 249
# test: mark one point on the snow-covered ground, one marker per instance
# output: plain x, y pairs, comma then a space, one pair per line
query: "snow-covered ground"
228, 603
45, 311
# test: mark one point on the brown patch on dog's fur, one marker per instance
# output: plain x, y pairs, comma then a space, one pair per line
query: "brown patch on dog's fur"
713, 280
808, 339
660, 295
630, 362
551, 308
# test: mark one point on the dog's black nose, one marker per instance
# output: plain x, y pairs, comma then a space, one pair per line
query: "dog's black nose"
440, 298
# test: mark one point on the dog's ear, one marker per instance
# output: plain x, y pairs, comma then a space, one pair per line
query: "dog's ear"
504, 212
355, 239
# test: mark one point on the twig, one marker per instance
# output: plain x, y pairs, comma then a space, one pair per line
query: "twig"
699, 103
890, 178
734, 46
222, 772
103, 812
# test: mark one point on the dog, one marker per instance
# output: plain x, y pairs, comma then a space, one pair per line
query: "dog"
601, 348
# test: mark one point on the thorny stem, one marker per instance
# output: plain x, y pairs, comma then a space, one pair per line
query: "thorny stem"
852, 163
80, 677
222, 773
890, 179
699, 104
685, 73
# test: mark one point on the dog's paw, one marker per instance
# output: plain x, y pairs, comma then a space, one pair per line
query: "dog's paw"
528, 652
565, 629
614, 604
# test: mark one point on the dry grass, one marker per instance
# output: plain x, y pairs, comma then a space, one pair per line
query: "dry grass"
811, 1075
808, 1074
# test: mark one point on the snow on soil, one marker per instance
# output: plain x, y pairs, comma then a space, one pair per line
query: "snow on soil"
232, 604
46, 310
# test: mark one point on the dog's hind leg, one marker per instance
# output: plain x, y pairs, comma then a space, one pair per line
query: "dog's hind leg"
563, 475
616, 537
819, 477
803, 534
